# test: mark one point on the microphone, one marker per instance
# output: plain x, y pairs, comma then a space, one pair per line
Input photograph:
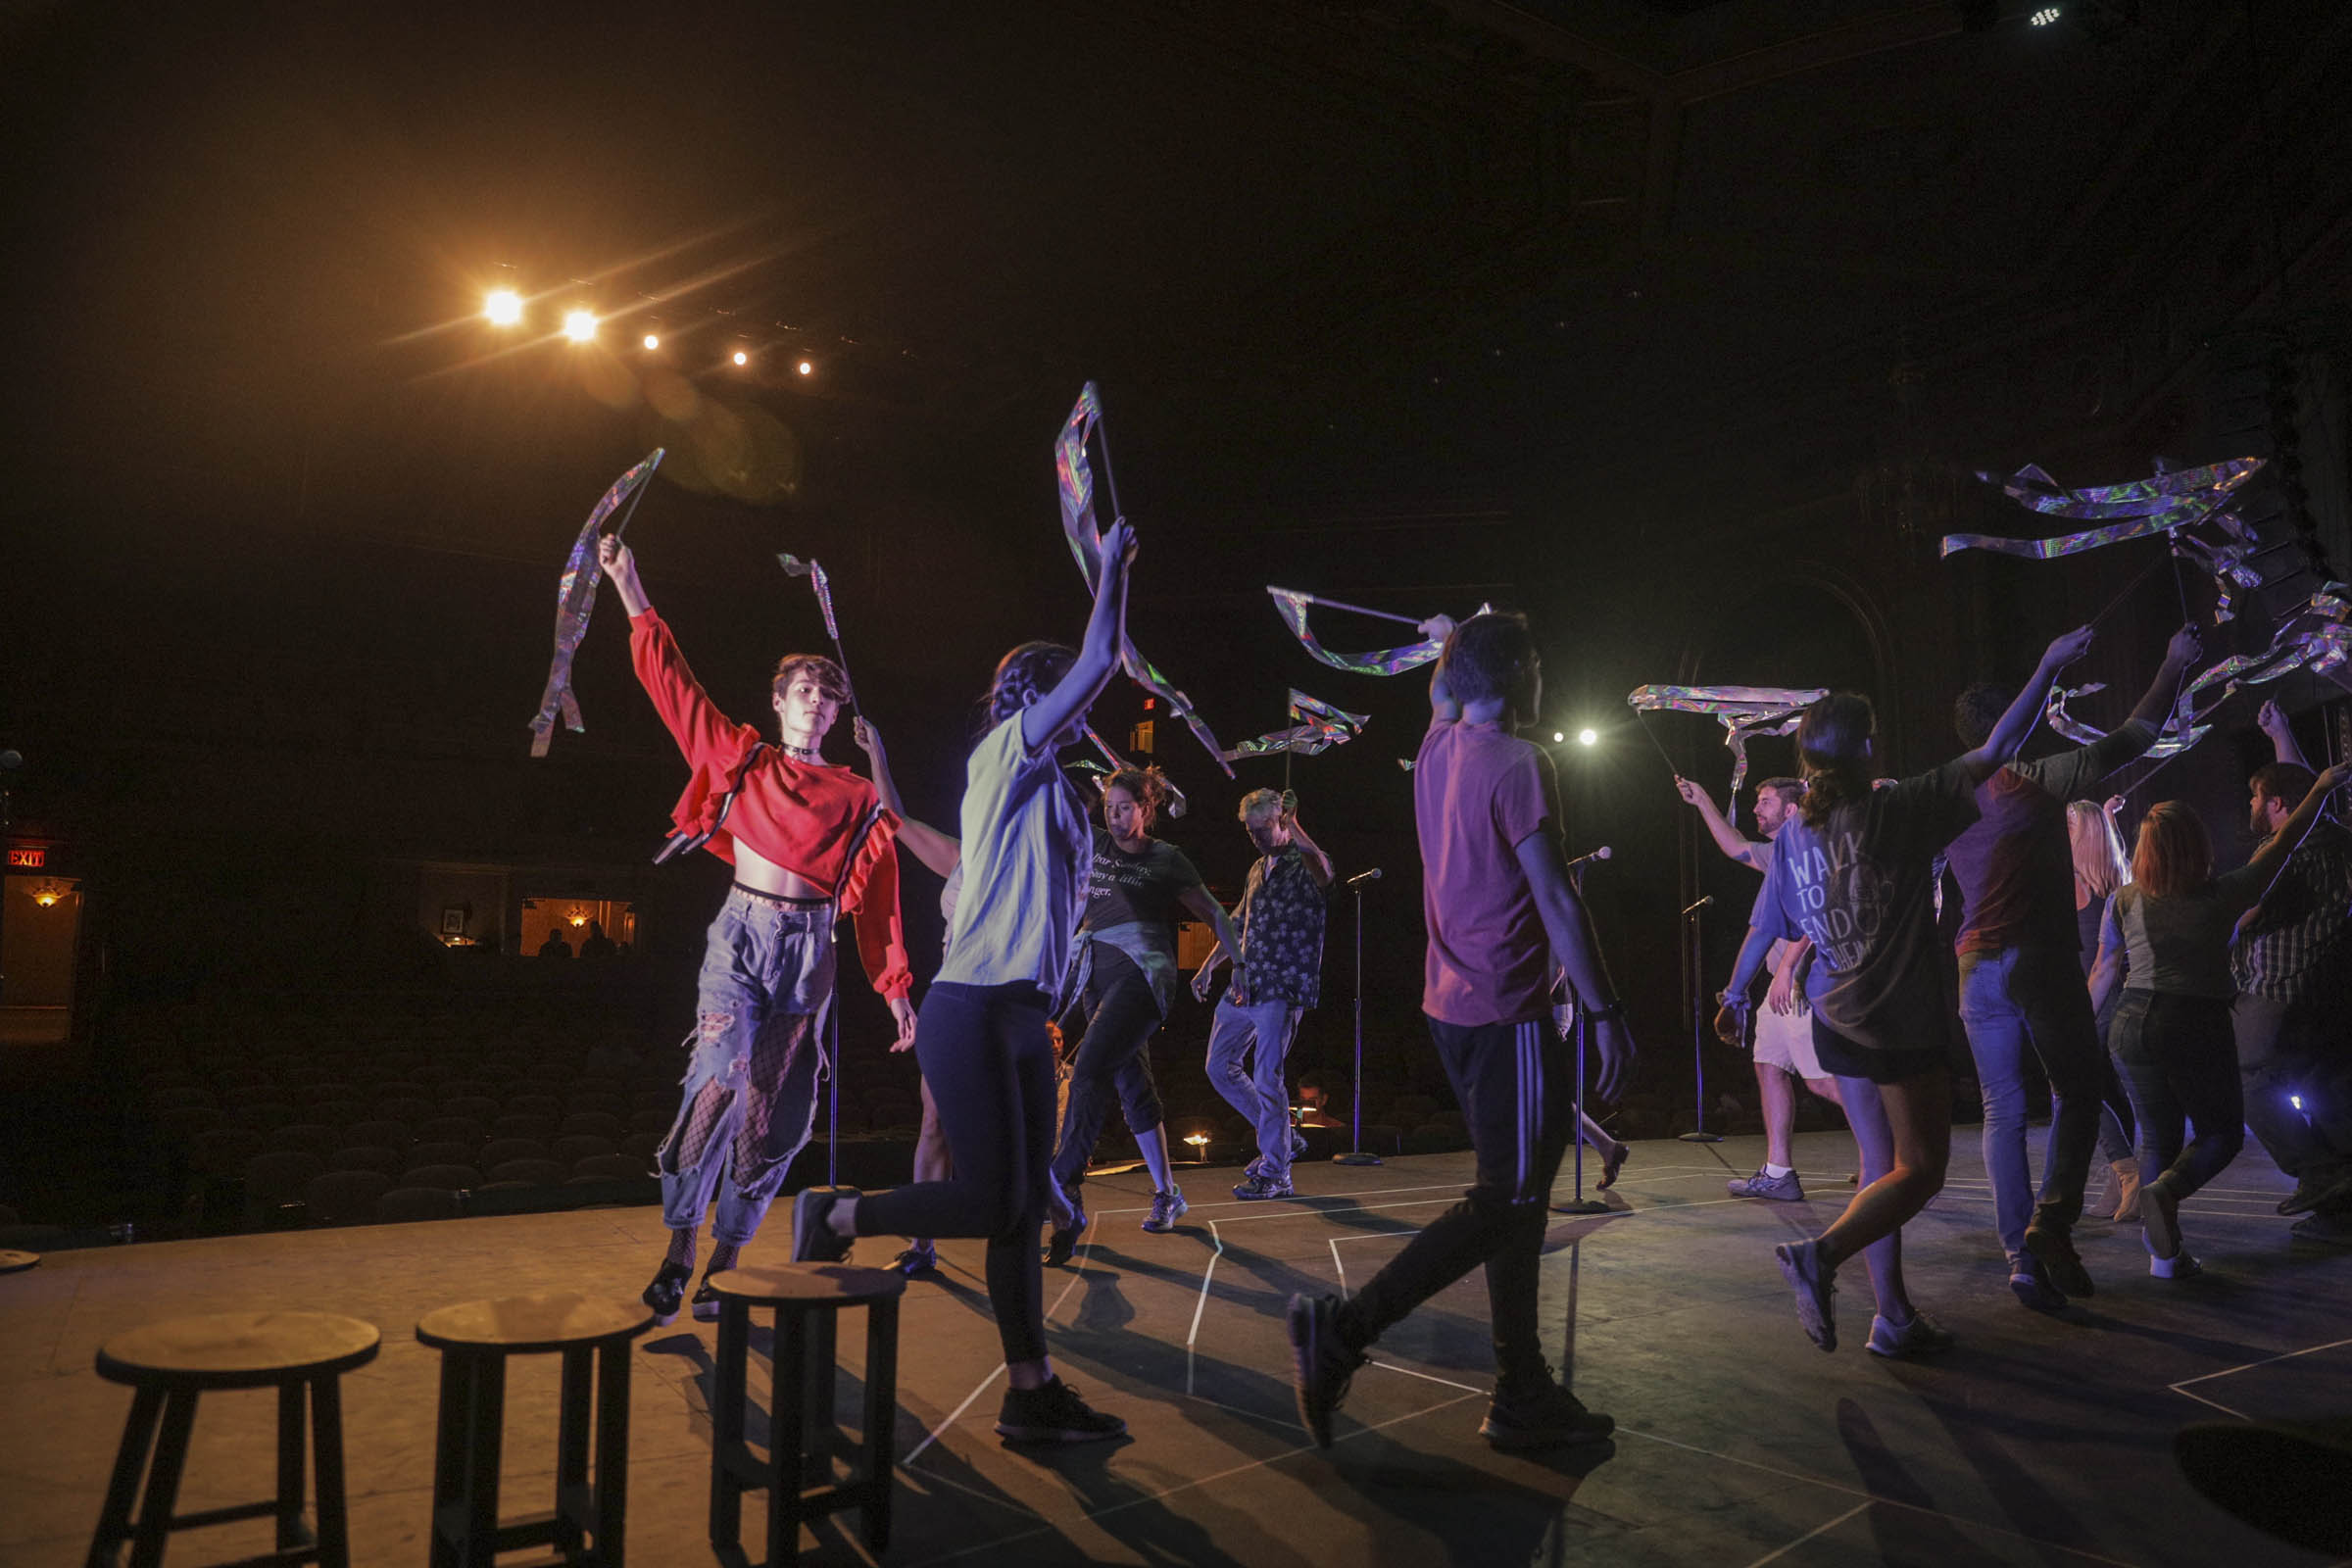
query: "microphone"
1701, 905
1362, 877
1601, 853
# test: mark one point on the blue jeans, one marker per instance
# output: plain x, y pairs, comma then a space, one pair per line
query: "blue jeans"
2029, 998
1256, 1090
750, 1090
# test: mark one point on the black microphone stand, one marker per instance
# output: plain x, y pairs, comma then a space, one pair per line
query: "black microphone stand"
1356, 1153
1695, 974
1580, 1204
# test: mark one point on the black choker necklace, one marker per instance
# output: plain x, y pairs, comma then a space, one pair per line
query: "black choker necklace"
800, 754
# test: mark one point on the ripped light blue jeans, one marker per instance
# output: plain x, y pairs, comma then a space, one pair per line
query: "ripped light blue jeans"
750, 1090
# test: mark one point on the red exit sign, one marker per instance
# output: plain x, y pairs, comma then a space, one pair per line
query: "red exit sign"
28, 859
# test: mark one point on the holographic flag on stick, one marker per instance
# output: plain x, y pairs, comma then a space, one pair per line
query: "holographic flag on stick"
795, 566
2163, 503
1076, 482
1743, 712
1291, 605
575, 598
1317, 727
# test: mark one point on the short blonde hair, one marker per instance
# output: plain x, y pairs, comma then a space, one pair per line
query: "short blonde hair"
1268, 803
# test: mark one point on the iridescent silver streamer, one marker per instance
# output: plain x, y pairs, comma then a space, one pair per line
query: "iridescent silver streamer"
575, 601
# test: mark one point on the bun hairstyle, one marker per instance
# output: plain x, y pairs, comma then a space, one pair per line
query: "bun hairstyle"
829, 677
1833, 748
1148, 785
1024, 675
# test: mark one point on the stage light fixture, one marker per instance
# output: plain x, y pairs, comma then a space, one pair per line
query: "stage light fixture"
504, 306
742, 358
652, 340
2295, 1101
2045, 16
805, 369
1558, 736
579, 325
1588, 737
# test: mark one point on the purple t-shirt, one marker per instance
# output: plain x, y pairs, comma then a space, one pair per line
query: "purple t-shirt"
2015, 866
1477, 793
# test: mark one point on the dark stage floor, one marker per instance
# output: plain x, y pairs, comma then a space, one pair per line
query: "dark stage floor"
2040, 1439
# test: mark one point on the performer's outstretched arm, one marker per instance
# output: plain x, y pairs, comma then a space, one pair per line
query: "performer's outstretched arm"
939, 852
1043, 721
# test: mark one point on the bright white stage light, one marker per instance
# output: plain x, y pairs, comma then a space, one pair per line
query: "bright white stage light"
1558, 736
805, 369
504, 306
742, 358
579, 325
1588, 737
652, 340
2045, 16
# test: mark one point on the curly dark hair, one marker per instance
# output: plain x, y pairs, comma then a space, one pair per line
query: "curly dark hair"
1488, 656
1023, 675
1978, 709
1832, 749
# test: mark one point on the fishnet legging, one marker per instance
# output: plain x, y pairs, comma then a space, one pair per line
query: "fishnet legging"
779, 1037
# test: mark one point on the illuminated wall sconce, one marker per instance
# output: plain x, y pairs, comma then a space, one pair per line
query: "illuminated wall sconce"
49, 892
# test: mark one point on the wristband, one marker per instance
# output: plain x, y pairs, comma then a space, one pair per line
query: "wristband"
1608, 1012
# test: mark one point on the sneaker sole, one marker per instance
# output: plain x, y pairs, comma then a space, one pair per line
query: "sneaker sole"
1504, 1439
1798, 1196
1813, 1315
1013, 1433
1305, 1352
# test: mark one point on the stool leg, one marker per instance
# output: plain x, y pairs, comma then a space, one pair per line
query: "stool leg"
571, 1450
130, 1463
163, 1481
881, 1419
727, 1397
326, 1458
290, 1473
486, 1435
820, 1430
450, 1456
786, 1424
612, 1454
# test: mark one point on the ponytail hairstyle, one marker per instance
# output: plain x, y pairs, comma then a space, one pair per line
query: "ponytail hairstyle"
1832, 749
1148, 785
1023, 676
2173, 853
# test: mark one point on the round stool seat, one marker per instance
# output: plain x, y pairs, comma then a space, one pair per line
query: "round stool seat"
808, 1285
519, 1325
12, 1260
238, 1349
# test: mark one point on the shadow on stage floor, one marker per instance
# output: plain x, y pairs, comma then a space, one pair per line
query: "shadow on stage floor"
2041, 1439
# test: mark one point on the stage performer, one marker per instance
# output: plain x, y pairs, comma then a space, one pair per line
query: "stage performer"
2021, 976
983, 1042
1277, 975
943, 856
807, 842
1500, 910
1127, 957
1854, 872
2173, 1040
2102, 868
2292, 961
1784, 1041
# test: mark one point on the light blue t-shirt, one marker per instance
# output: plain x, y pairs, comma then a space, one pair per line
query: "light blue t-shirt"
1027, 852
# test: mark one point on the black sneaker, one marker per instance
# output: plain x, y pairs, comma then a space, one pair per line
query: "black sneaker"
1320, 1365
1543, 1415
666, 1292
2031, 1283
812, 1240
2055, 1250
1053, 1413
704, 1302
920, 1258
1068, 1214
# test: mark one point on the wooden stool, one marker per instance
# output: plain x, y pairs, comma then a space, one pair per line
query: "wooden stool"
168, 1364
474, 1339
807, 1298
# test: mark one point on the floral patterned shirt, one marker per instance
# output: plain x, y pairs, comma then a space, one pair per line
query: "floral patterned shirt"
1280, 922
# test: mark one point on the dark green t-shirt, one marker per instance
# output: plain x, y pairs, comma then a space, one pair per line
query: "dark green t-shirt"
1140, 888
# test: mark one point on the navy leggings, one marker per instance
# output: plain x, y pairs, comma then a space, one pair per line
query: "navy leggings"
989, 1061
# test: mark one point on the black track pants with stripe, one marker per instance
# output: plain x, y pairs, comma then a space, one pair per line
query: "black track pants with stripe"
1514, 1082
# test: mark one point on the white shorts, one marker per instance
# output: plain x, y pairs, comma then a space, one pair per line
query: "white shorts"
1786, 1043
